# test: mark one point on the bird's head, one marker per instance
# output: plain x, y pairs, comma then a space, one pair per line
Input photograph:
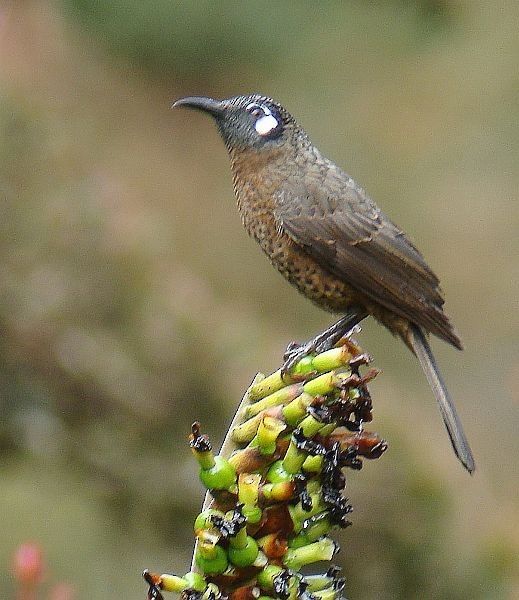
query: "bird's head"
252, 122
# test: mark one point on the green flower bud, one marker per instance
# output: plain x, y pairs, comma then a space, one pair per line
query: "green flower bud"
211, 563
245, 556
266, 577
195, 581
277, 473
203, 521
221, 476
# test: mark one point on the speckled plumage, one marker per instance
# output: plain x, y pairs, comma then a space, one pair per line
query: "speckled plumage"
325, 235
255, 194
284, 200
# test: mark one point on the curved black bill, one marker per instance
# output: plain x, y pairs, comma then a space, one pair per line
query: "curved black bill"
213, 107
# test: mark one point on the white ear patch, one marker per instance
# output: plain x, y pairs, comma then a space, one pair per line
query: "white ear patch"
267, 122
264, 125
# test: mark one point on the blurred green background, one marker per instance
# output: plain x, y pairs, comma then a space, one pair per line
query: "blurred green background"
132, 302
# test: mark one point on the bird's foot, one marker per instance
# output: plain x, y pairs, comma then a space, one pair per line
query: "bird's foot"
295, 352
323, 341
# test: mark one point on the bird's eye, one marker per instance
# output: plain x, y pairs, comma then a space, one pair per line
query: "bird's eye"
266, 123
257, 111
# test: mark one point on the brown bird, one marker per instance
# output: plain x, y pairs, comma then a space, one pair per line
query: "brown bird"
329, 239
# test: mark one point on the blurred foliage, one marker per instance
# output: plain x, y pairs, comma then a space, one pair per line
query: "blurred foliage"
131, 302
407, 545
71, 321
188, 39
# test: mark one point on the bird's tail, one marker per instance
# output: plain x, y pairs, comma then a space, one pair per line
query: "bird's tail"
421, 348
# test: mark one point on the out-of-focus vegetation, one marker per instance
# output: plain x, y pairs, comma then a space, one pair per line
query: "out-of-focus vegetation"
32, 578
131, 302
188, 39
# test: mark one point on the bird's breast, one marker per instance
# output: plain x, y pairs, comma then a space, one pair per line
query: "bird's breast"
256, 196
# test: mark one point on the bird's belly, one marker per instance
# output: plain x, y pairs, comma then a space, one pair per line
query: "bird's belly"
315, 283
324, 289
302, 271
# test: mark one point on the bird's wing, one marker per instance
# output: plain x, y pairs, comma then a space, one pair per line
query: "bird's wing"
343, 230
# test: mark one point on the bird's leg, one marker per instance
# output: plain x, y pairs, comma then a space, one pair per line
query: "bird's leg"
325, 340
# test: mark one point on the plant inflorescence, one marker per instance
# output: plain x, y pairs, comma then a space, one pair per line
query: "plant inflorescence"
276, 490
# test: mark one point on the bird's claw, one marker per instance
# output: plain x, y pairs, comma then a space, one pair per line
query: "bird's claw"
322, 342
295, 352
290, 349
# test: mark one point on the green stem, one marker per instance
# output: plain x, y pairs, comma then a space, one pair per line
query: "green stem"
319, 582
310, 426
328, 594
245, 432
297, 558
312, 533
268, 432
267, 575
173, 583
296, 410
280, 397
299, 515
313, 464
239, 541
326, 361
332, 359
322, 385
248, 492
294, 459
266, 386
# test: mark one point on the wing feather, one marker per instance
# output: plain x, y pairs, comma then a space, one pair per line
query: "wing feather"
343, 230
